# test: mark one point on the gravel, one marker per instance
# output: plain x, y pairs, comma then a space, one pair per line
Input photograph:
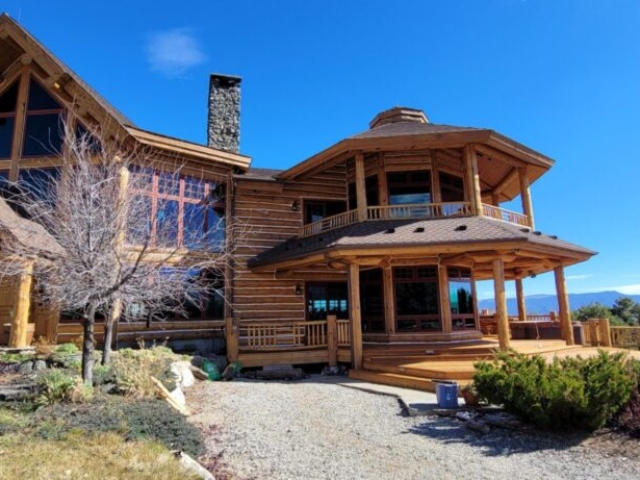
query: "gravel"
309, 430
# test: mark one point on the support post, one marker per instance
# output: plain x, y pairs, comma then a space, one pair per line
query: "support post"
435, 178
525, 194
383, 189
355, 316
20, 319
471, 170
522, 304
389, 300
361, 191
502, 318
605, 332
445, 301
563, 304
332, 340
231, 334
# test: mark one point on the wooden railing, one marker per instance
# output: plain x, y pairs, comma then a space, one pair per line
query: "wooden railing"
329, 223
625, 337
279, 335
545, 317
344, 337
505, 215
420, 210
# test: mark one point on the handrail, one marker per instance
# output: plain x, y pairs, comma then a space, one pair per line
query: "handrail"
330, 223
344, 336
278, 335
505, 215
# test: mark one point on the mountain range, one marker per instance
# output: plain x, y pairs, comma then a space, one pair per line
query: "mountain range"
547, 303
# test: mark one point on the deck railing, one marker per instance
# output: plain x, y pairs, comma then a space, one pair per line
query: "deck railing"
344, 337
625, 337
412, 211
505, 215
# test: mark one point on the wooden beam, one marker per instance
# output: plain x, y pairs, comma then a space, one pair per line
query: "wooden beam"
498, 155
445, 301
502, 316
355, 316
383, 189
520, 298
435, 178
506, 181
361, 191
563, 304
389, 300
332, 340
525, 194
19, 124
22, 308
231, 335
471, 169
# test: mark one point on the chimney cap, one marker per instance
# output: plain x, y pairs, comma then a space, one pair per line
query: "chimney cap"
224, 78
399, 114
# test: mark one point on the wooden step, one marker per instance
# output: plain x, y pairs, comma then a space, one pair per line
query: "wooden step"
398, 380
446, 371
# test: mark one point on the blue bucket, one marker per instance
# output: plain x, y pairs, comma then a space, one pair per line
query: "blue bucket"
447, 395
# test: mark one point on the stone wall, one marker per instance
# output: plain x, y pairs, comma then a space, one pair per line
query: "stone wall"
224, 113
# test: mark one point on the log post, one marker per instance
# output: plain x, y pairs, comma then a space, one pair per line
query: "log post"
563, 303
355, 316
473, 178
20, 319
435, 178
332, 340
231, 334
361, 191
525, 194
522, 305
594, 332
605, 332
445, 301
389, 300
502, 318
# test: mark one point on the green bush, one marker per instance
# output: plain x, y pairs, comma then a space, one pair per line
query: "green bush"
133, 420
60, 386
68, 348
581, 393
133, 370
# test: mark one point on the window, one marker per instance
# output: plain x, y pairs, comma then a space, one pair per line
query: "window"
315, 210
43, 131
328, 298
416, 292
371, 192
188, 212
461, 298
372, 301
8, 101
406, 188
451, 188
39, 183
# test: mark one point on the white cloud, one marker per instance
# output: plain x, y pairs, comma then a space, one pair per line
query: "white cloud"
579, 277
173, 52
627, 289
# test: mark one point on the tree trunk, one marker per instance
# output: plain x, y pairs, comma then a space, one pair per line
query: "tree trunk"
109, 327
87, 346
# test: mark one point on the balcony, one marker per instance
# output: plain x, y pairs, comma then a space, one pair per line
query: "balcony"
413, 211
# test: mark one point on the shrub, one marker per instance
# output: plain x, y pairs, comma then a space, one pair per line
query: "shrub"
570, 392
59, 386
133, 370
148, 419
68, 348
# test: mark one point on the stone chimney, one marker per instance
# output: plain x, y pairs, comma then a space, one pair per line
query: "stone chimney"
223, 129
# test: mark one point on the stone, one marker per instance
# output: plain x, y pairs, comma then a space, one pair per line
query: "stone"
25, 368
184, 375
223, 131
177, 395
39, 365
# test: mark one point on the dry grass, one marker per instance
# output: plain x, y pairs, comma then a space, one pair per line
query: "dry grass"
103, 456
134, 368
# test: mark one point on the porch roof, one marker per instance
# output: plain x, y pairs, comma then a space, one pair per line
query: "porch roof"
446, 235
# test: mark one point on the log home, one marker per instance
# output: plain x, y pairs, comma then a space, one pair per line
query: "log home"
378, 240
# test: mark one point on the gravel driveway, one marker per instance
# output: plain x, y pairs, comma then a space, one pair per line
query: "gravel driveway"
309, 430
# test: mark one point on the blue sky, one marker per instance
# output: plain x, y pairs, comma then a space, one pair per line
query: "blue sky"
563, 77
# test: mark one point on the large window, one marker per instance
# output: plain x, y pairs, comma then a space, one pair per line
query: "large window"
371, 192
188, 212
40, 183
409, 187
461, 298
43, 132
316, 210
372, 300
327, 298
417, 307
8, 101
451, 188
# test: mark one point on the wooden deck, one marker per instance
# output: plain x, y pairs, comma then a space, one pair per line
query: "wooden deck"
421, 366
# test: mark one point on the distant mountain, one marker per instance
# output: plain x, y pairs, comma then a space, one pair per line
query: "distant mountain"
547, 303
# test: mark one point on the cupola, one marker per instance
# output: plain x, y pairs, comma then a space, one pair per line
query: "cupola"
399, 114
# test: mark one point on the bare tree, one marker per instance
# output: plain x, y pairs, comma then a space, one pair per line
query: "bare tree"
114, 248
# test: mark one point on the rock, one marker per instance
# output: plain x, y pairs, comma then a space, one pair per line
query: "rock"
329, 371
39, 365
177, 395
193, 466
199, 373
108, 387
184, 376
16, 391
25, 367
280, 372
197, 361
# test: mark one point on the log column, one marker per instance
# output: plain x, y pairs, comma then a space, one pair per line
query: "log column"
502, 317
361, 191
20, 318
435, 178
522, 305
563, 303
389, 300
525, 194
445, 301
473, 179
355, 315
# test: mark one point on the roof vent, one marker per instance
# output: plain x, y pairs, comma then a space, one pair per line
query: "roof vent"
554, 237
537, 233
460, 228
391, 230
419, 230
398, 114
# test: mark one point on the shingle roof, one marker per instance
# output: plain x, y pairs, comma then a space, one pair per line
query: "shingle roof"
28, 233
261, 174
411, 128
398, 233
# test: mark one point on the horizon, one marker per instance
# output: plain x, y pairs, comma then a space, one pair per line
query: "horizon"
559, 78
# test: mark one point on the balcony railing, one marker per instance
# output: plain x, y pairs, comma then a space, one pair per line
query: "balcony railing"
505, 215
